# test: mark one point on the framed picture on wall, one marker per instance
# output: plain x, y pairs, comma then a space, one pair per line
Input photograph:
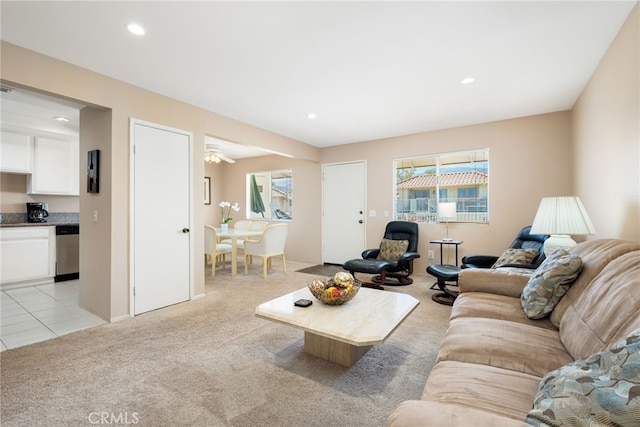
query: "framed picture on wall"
93, 174
207, 190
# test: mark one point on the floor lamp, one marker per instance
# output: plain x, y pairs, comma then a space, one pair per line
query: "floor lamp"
561, 217
447, 211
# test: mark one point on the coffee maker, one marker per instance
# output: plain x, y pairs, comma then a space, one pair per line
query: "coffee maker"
36, 212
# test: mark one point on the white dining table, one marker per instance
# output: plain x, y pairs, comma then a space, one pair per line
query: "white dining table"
235, 234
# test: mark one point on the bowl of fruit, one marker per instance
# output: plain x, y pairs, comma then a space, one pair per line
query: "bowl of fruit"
337, 290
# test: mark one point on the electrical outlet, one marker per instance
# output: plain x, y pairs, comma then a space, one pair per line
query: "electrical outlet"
430, 254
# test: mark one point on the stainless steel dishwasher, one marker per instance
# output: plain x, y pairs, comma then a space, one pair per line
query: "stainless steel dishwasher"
67, 252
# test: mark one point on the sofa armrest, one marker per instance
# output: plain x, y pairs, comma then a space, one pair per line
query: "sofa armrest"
412, 413
494, 281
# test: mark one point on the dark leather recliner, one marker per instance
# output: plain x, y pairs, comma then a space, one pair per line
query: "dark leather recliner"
399, 271
523, 240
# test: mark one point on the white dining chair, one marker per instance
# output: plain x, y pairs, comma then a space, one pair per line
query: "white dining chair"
255, 226
243, 224
270, 244
214, 251
259, 225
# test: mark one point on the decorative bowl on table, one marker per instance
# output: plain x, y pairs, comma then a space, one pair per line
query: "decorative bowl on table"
335, 291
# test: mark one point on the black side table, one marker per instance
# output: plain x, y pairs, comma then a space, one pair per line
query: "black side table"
445, 273
443, 242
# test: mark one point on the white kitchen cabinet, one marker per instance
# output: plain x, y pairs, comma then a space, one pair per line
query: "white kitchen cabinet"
27, 254
56, 167
16, 152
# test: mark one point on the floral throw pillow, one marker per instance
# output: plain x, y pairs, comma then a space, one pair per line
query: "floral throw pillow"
549, 282
516, 256
391, 250
602, 390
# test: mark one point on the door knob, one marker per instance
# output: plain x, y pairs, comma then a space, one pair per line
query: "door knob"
185, 230
360, 222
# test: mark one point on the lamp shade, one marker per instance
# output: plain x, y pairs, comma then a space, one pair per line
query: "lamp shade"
447, 210
561, 217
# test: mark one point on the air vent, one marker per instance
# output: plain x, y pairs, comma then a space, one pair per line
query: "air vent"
5, 89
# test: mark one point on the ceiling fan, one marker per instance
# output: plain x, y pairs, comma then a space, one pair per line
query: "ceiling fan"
212, 155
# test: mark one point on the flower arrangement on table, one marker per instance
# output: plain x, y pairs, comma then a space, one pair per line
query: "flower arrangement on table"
226, 218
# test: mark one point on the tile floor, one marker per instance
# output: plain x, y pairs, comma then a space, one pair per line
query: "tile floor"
39, 313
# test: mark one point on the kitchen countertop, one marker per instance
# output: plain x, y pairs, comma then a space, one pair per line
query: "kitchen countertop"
54, 218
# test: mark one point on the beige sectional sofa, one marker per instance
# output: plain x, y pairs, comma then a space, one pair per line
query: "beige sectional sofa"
493, 357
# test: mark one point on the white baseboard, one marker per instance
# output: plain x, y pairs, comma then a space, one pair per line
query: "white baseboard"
120, 318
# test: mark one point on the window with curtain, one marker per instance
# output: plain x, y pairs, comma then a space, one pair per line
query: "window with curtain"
424, 181
270, 195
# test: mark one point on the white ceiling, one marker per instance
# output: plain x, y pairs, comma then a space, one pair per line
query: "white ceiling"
368, 69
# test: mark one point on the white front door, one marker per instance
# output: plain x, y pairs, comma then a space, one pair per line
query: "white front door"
343, 208
161, 200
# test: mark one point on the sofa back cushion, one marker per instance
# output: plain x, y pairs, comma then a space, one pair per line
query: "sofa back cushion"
595, 255
607, 309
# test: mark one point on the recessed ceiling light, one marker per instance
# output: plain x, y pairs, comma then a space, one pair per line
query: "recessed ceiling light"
312, 116
61, 119
136, 29
468, 80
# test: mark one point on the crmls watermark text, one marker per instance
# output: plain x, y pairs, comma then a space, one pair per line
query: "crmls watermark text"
121, 418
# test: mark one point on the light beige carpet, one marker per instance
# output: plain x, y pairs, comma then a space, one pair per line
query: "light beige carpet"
211, 362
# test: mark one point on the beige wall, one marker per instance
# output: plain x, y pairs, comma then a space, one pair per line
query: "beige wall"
96, 289
528, 158
607, 138
212, 211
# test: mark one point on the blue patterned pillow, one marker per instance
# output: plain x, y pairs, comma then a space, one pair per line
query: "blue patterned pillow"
549, 282
602, 390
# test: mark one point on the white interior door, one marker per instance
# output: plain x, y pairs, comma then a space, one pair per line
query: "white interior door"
161, 203
343, 207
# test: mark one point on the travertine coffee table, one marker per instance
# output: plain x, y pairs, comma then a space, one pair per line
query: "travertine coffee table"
341, 333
